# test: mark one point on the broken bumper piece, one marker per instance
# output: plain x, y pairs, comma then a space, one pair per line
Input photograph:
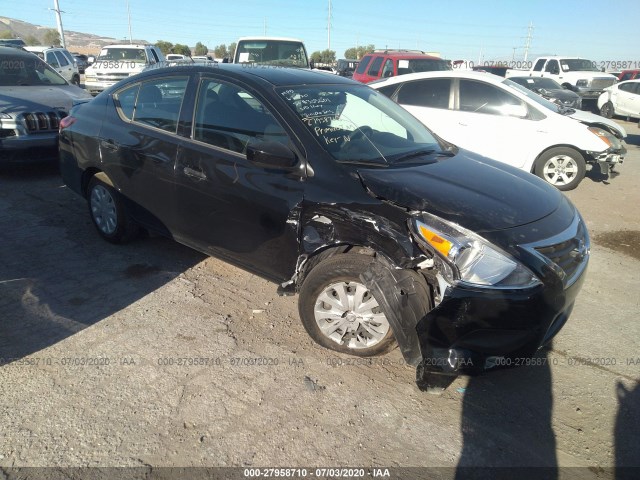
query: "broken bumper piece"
472, 330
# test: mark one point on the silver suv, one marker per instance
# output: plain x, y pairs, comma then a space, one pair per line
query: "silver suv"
34, 99
60, 60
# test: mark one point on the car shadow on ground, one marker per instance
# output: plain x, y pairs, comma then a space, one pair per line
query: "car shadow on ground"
57, 276
627, 448
513, 442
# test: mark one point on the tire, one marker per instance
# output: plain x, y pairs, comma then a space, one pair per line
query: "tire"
562, 167
108, 213
607, 110
364, 334
75, 80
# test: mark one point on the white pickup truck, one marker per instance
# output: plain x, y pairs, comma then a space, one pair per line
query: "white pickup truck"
116, 62
271, 51
573, 73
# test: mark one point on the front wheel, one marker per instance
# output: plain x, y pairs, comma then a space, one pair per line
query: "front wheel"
108, 213
75, 80
562, 167
607, 110
339, 312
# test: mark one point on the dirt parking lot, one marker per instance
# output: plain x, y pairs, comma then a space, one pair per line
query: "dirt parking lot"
151, 354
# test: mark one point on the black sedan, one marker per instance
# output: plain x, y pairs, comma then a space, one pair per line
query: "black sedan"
551, 90
331, 190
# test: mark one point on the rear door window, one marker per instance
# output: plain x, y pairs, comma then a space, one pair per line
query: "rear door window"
432, 93
52, 60
62, 60
159, 101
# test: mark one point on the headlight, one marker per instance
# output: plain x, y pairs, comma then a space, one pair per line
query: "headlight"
606, 137
468, 258
582, 83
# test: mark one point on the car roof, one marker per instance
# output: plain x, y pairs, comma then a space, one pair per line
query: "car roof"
40, 48
277, 76
127, 45
15, 51
403, 54
472, 75
287, 39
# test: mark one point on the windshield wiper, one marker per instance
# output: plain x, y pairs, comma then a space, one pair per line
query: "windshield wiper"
417, 153
364, 161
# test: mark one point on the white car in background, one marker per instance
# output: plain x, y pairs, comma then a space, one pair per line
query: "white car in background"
502, 120
621, 99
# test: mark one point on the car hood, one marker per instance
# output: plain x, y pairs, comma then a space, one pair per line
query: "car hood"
477, 193
38, 98
593, 119
559, 93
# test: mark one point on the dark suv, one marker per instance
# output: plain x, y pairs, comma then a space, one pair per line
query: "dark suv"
331, 190
389, 63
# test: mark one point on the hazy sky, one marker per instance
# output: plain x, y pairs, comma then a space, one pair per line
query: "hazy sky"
458, 29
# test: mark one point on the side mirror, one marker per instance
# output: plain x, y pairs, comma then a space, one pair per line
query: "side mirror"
268, 154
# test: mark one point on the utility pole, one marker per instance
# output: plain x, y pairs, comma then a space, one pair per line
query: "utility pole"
56, 8
329, 28
129, 17
528, 42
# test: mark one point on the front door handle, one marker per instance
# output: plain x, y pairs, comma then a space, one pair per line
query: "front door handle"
191, 172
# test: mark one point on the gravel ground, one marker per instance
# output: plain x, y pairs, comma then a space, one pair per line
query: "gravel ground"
152, 354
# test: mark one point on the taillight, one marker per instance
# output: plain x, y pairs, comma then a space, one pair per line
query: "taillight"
66, 122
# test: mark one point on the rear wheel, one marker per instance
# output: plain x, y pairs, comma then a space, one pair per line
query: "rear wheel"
339, 312
607, 110
108, 213
562, 167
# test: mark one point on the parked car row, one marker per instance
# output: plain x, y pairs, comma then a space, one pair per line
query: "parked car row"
502, 120
621, 99
390, 210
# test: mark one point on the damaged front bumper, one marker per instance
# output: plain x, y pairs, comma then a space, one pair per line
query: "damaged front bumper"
471, 330
608, 159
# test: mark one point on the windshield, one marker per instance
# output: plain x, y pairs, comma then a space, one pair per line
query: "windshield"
272, 52
577, 65
21, 70
422, 65
122, 55
533, 96
356, 124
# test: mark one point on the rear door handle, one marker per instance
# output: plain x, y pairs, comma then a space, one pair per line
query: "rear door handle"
191, 172
109, 144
